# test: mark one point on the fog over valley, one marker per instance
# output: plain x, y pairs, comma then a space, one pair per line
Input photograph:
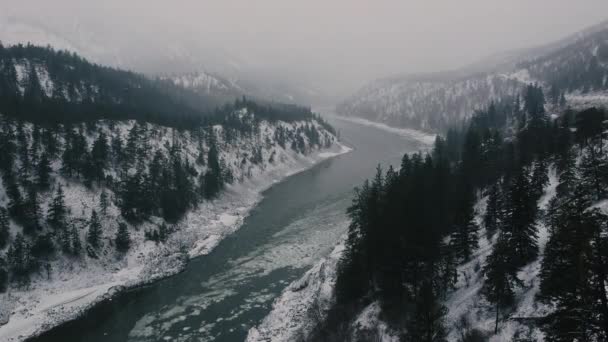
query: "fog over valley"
330, 47
310, 171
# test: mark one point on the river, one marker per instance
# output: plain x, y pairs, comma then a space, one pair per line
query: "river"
221, 295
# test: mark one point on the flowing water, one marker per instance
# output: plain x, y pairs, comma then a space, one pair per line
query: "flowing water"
221, 295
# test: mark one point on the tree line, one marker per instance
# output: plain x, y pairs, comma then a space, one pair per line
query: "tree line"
410, 228
140, 170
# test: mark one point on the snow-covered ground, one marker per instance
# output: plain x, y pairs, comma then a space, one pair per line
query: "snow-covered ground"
307, 300
302, 305
75, 286
468, 303
426, 138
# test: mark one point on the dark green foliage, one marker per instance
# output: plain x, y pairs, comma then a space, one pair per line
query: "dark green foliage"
398, 222
94, 234
20, 262
3, 275
540, 178
76, 244
43, 245
519, 228
43, 171
212, 180
57, 213
573, 273
4, 227
31, 213
427, 321
104, 202
493, 215
464, 237
500, 277
123, 238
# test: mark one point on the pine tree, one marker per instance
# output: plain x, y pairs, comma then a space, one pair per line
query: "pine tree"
104, 202
65, 240
33, 92
99, 156
31, 217
75, 241
427, 321
19, 259
573, 273
94, 234
493, 215
540, 178
500, 278
16, 202
464, 238
3, 275
43, 171
213, 177
123, 238
519, 220
57, 212
4, 227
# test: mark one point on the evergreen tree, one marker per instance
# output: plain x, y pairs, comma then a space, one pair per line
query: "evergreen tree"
19, 260
500, 277
76, 244
3, 275
33, 92
519, 220
31, 214
573, 273
43, 171
4, 227
540, 178
123, 238
493, 215
464, 238
427, 321
213, 177
57, 212
104, 202
95, 233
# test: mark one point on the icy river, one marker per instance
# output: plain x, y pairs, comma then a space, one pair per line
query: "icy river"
220, 296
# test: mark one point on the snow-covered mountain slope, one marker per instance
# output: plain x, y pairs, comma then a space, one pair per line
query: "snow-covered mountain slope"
72, 283
306, 302
576, 67
468, 308
183, 59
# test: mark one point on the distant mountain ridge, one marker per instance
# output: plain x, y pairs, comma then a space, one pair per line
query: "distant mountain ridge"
575, 67
184, 60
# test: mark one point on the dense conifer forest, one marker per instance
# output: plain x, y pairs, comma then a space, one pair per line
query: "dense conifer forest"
136, 144
412, 226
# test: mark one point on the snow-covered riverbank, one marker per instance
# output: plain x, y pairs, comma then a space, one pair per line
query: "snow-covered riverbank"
73, 288
306, 301
423, 137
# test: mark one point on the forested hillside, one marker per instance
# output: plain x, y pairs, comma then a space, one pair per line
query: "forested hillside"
454, 245
44, 85
109, 178
574, 69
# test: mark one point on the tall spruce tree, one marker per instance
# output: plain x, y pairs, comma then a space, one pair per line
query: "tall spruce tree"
57, 211
43, 171
519, 229
4, 227
123, 238
95, 232
500, 278
493, 216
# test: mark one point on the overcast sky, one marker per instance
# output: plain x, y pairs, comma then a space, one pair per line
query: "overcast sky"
342, 41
